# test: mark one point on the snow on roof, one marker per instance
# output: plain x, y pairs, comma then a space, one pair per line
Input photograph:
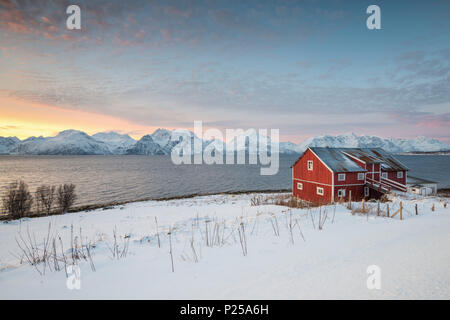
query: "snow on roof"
336, 160
377, 155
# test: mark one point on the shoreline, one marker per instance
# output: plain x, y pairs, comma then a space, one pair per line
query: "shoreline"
442, 192
111, 205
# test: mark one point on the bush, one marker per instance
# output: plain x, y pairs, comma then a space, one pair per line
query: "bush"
280, 200
66, 197
17, 201
45, 197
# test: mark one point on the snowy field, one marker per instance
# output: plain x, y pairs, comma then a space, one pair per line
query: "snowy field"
225, 248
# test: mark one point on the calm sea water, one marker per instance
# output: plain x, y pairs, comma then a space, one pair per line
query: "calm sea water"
108, 179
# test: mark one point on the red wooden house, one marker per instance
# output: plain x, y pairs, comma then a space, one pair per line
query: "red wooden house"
326, 175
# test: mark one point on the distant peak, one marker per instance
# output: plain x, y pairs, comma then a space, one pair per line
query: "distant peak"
161, 130
147, 137
71, 132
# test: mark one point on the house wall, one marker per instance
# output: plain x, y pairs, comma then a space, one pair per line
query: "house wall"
352, 184
320, 176
357, 193
419, 188
373, 171
392, 175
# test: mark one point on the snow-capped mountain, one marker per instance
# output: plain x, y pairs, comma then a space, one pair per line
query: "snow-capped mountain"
242, 142
117, 143
351, 140
162, 137
69, 142
163, 141
290, 148
7, 144
146, 146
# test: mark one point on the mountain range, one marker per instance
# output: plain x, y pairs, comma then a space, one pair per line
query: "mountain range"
160, 142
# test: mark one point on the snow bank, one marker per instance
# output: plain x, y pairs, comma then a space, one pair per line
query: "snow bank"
413, 255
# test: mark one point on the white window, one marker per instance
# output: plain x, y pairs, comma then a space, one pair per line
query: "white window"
341, 177
366, 191
384, 175
400, 174
310, 165
299, 186
320, 191
360, 176
341, 193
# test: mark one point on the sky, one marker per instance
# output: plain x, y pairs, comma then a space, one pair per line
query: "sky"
304, 67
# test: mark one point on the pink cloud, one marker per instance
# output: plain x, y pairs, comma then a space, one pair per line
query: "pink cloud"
45, 20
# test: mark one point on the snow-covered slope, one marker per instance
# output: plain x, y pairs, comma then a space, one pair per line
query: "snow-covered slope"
117, 143
242, 142
301, 262
7, 144
162, 137
351, 140
146, 146
162, 141
69, 142
182, 138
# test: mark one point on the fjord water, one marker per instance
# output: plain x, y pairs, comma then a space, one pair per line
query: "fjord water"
110, 179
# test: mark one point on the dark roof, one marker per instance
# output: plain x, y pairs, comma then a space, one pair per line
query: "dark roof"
377, 155
338, 159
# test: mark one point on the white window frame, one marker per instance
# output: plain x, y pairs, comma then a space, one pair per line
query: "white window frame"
342, 193
399, 174
310, 165
320, 191
361, 175
340, 175
366, 191
299, 186
384, 175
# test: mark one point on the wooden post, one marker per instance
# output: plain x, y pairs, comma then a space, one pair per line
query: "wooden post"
387, 209
432, 207
417, 213
363, 208
350, 199
378, 208
401, 209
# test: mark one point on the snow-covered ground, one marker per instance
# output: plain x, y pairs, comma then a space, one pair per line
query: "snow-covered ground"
413, 254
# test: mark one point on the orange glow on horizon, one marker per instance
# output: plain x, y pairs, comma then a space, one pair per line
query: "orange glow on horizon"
24, 119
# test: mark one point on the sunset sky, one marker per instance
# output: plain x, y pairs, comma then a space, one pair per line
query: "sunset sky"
304, 67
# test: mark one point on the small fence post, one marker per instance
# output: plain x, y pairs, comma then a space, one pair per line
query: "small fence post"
350, 199
401, 209
387, 210
363, 207
378, 208
417, 213
432, 207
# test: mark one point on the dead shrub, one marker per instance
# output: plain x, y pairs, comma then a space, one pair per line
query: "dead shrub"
384, 198
256, 200
66, 197
45, 197
286, 200
17, 201
363, 210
